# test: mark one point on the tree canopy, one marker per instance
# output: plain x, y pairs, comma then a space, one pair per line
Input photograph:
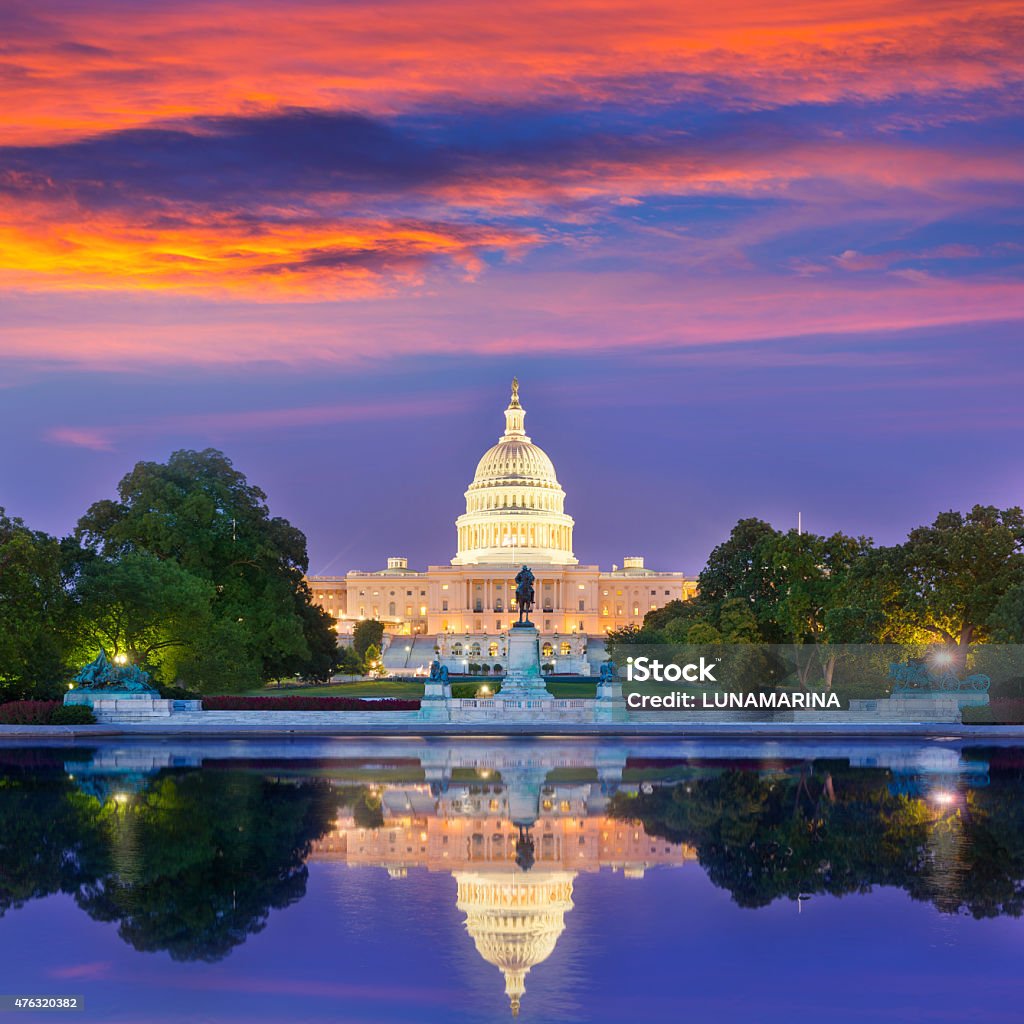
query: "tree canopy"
200, 514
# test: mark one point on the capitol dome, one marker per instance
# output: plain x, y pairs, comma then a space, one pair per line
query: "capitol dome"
515, 504
515, 920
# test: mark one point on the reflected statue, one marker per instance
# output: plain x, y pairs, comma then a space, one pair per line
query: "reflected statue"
525, 849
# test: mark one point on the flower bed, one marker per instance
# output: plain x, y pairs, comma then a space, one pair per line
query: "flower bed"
307, 704
43, 712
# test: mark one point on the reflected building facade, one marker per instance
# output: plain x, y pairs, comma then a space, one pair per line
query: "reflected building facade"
514, 845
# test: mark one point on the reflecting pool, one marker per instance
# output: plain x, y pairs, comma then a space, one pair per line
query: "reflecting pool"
555, 881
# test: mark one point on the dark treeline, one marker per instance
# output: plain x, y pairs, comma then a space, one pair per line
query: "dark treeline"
958, 582
829, 828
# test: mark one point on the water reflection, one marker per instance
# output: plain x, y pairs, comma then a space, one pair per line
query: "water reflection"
188, 850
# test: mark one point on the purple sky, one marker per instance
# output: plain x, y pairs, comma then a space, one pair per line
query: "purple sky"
744, 264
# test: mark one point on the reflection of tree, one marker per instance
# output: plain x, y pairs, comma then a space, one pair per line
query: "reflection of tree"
837, 830
50, 838
199, 860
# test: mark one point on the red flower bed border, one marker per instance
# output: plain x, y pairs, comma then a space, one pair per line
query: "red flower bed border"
307, 704
28, 712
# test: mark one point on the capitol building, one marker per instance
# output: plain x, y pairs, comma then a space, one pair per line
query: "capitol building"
515, 515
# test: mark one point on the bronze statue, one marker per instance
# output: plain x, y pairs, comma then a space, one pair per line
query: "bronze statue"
103, 674
438, 672
524, 595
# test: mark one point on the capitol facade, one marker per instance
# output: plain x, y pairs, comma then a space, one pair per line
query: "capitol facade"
515, 515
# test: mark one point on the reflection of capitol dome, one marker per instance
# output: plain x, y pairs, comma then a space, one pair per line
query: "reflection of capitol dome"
515, 504
515, 920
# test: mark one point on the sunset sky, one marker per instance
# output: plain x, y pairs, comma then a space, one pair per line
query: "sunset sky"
745, 259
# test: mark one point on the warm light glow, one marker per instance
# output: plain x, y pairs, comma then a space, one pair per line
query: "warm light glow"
943, 797
120, 659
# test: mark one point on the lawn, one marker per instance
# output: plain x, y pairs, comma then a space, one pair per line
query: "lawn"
406, 688
362, 688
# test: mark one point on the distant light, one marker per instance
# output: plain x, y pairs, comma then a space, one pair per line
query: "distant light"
121, 659
942, 797
120, 798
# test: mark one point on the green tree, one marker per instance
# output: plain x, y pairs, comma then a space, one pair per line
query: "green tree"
742, 567
33, 611
810, 574
198, 511
372, 665
947, 580
1007, 620
141, 606
366, 633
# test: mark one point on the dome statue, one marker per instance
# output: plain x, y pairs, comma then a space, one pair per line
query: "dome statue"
515, 505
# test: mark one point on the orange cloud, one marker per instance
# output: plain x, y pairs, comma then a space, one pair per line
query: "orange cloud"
86, 68
66, 247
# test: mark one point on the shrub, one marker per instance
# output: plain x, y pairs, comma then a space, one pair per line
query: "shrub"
999, 711
171, 691
73, 714
307, 704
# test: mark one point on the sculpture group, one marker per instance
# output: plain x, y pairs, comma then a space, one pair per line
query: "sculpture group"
917, 676
103, 674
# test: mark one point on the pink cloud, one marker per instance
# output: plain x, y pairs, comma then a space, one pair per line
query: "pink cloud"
256, 421
93, 971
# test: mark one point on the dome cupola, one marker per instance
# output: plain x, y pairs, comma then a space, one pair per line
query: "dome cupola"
515, 504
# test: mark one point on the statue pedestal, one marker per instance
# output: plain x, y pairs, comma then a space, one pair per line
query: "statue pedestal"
609, 705
436, 703
523, 678
112, 705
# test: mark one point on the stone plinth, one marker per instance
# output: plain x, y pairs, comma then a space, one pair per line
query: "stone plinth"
609, 705
943, 707
437, 695
115, 706
523, 680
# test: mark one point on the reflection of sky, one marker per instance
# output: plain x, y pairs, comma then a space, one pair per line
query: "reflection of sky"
363, 947
751, 262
